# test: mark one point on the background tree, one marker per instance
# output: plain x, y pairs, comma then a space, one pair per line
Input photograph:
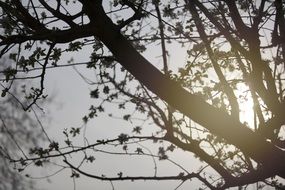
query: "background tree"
235, 55
18, 131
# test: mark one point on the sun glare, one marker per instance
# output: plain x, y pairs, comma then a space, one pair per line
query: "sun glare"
246, 106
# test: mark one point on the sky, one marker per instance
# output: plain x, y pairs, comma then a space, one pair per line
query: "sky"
71, 101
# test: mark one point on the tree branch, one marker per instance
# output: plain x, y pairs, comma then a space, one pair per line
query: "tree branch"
191, 105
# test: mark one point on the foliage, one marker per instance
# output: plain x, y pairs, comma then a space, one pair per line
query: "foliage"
18, 131
235, 55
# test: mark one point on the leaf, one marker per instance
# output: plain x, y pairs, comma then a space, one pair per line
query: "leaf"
162, 154
68, 142
126, 117
74, 46
106, 90
85, 119
100, 108
94, 93
122, 106
23, 162
56, 55
120, 174
171, 148
125, 147
4, 92
75, 174
20, 169
39, 163
9, 73
74, 131
54, 145
123, 138
139, 151
137, 130
90, 158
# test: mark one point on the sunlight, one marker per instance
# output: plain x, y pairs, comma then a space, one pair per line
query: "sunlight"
246, 105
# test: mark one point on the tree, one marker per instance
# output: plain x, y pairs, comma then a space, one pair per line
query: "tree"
240, 44
18, 132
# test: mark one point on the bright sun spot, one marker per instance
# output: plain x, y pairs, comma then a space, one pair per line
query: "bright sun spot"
246, 106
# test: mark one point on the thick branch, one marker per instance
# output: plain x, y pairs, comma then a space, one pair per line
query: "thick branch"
243, 30
189, 104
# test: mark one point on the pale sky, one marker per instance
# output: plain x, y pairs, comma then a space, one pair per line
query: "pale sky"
71, 102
